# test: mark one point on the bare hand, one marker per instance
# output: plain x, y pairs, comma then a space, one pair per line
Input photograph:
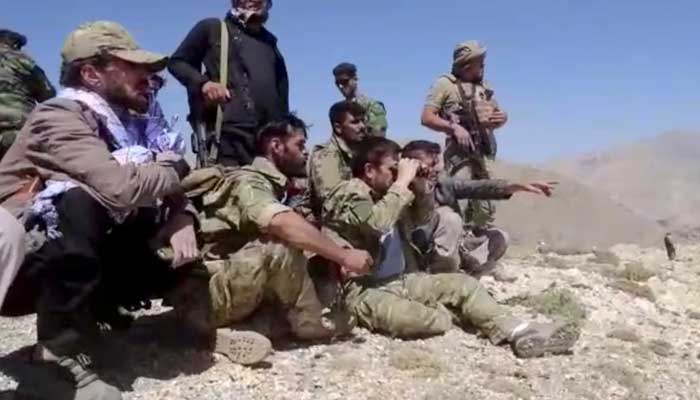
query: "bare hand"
463, 137
183, 239
356, 263
408, 169
497, 119
541, 188
215, 93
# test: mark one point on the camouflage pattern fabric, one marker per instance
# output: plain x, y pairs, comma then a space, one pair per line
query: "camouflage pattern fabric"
419, 305
329, 165
22, 85
375, 116
237, 205
350, 215
415, 304
445, 96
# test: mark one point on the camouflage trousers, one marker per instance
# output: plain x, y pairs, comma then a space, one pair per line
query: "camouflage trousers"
259, 273
7, 137
479, 213
420, 305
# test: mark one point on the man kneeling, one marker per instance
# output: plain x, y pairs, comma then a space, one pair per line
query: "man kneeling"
375, 211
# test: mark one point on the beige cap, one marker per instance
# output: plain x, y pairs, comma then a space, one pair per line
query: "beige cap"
106, 37
467, 51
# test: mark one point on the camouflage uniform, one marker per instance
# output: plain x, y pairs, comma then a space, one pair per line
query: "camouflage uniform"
246, 268
412, 304
375, 115
22, 85
445, 96
329, 165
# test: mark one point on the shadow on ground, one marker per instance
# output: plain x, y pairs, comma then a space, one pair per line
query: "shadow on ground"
156, 347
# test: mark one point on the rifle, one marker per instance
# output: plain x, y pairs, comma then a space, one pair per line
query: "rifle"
205, 144
483, 137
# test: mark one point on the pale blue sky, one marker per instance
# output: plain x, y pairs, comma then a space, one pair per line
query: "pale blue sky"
575, 76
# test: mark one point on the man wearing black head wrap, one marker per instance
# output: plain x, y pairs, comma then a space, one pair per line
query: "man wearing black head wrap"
256, 90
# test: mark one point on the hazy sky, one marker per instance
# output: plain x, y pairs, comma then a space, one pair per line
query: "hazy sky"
574, 76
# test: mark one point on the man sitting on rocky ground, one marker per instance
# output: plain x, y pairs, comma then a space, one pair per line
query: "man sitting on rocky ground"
329, 163
86, 189
442, 244
376, 211
254, 246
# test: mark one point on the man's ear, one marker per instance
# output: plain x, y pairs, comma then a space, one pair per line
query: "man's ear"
336, 128
276, 145
369, 170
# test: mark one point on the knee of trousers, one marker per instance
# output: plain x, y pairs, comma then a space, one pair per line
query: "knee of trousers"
237, 289
399, 317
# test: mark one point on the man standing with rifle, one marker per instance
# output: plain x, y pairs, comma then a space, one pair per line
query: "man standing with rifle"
244, 84
461, 105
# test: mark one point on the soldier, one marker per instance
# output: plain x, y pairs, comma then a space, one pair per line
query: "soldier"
375, 211
330, 162
443, 243
375, 113
256, 244
461, 105
22, 85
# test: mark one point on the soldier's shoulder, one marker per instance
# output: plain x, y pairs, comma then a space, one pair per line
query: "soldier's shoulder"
18, 58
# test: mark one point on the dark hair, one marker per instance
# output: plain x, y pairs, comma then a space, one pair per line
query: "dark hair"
411, 149
339, 109
279, 128
345, 69
12, 38
70, 73
373, 150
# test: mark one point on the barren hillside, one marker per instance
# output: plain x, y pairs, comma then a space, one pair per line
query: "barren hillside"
577, 216
658, 178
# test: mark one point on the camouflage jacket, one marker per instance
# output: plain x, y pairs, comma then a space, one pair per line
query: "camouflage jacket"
22, 85
237, 203
329, 165
375, 115
445, 96
352, 216
451, 189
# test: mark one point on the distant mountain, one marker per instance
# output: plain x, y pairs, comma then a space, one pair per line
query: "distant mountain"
657, 178
577, 216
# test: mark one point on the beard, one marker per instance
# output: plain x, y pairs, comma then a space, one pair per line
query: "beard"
119, 95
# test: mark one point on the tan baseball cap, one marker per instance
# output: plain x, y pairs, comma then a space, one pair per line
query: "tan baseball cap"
468, 51
106, 37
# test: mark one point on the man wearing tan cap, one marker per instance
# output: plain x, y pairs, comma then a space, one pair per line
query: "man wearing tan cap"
461, 105
87, 188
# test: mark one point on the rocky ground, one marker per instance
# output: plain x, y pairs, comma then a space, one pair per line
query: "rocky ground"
639, 313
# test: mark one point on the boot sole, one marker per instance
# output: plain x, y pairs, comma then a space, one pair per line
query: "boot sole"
560, 342
244, 348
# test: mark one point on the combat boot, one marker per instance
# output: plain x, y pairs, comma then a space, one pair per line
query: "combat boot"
242, 347
191, 302
64, 352
539, 339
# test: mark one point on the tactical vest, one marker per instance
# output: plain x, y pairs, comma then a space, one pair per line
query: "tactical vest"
476, 106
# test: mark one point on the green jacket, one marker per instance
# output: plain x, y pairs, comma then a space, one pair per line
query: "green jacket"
239, 207
22, 85
352, 216
329, 165
375, 115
